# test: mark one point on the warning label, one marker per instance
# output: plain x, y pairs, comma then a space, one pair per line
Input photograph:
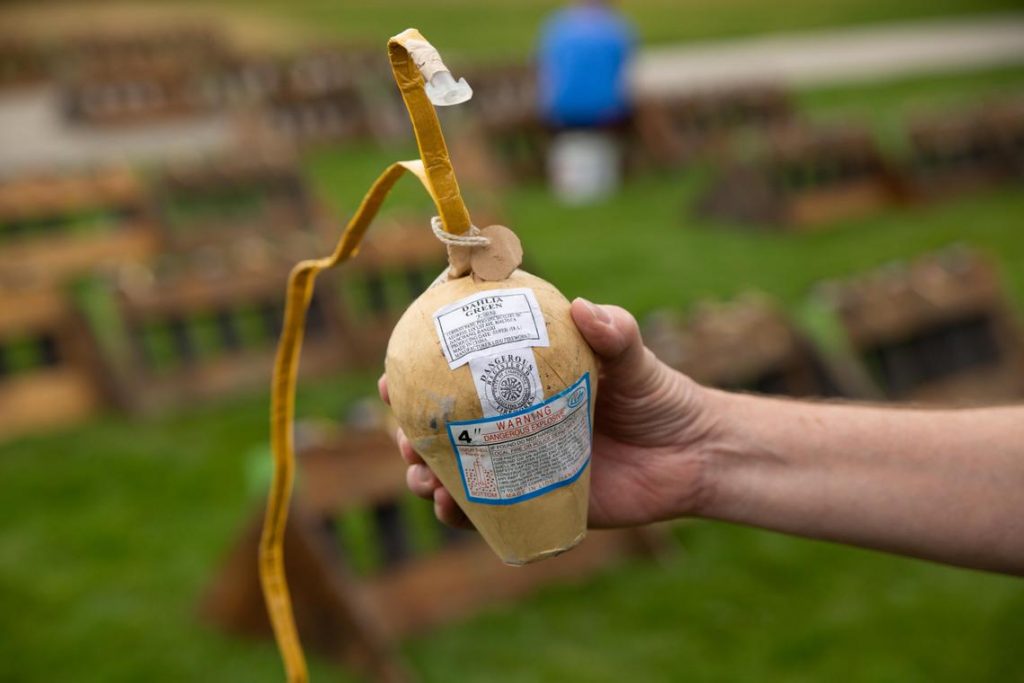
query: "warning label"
525, 454
488, 322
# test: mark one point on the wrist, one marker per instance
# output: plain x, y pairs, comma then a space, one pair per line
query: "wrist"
702, 431
757, 468
728, 451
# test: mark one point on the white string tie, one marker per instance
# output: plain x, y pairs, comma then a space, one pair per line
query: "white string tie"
470, 238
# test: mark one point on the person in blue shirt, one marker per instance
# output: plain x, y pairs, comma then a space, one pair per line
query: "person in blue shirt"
583, 61
584, 99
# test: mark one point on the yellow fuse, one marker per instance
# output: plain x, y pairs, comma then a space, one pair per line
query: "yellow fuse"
487, 373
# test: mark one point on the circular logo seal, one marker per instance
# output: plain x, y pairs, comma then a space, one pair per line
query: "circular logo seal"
576, 397
509, 385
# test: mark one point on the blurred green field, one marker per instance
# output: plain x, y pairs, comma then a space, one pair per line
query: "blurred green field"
109, 532
511, 27
482, 31
597, 251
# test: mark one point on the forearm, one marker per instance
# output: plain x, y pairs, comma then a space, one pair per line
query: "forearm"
941, 485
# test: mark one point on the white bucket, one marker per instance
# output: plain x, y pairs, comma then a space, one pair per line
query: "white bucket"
583, 166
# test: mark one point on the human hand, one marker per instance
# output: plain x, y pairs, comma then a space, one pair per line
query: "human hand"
652, 430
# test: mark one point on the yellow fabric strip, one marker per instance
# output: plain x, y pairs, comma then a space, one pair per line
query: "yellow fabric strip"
442, 185
434, 170
282, 417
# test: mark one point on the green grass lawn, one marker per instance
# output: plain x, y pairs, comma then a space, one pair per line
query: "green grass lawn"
105, 547
109, 532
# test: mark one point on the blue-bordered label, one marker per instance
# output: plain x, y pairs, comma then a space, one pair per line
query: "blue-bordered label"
510, 458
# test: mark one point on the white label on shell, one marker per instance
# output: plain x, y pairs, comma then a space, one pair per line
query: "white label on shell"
490, 321
514, 457
507, 382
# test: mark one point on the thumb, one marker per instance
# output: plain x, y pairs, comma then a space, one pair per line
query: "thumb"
612, 332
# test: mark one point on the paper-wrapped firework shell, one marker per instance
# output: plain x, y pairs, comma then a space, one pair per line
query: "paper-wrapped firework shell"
549, 515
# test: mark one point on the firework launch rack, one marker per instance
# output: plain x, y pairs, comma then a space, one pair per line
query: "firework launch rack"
675, 130
48, 369
117, 52
398, 260
320, 95
805, 177
938, 329
421, 574
185, 272
177, 278
56, 226
202, 318
115, 78
205, 325
148, 96
227, 198
966, 151
333, 95
204, 322
747, 344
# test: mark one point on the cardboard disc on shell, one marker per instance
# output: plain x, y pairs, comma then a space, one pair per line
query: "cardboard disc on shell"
500, 257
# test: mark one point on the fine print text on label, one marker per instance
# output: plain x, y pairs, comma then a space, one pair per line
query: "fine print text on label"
525, 454
507, 382
488, 322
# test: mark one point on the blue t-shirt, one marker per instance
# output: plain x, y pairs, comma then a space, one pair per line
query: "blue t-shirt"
584, 52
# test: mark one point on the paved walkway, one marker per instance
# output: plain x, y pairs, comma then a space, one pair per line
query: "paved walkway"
833, 57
